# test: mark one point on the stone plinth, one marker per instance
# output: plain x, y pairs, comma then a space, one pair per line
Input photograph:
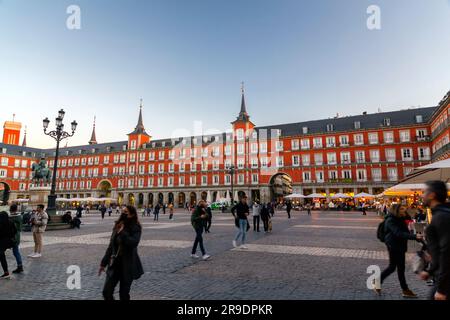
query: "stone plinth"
39, 194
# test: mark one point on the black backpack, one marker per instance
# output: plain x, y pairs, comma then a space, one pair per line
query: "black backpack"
381, 233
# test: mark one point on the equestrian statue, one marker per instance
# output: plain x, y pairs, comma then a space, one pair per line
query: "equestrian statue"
41, 173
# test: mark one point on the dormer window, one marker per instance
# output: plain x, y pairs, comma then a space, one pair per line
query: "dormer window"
387, 122
357, 124
205, 139
330, 127
163, 144
80, 151
255, 134
194, 140
419, 118
240, 134
153, 144
124, 147
305, 130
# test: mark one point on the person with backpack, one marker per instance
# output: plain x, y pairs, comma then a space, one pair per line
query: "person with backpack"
438, 240
16, 219
7, 234
394, 232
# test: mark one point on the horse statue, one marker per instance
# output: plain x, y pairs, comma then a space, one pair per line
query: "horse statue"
41, 172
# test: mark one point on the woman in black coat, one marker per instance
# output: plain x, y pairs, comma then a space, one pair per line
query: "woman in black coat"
121, 259
396, 240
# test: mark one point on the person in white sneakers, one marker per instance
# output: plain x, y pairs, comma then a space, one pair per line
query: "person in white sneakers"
39, 224
198, 217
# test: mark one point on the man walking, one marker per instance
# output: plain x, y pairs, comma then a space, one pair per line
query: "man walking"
16, 219
156, 212
288, 209
256, 213
103, 211
197, 220
265, 216
39, 224
438, 240
240, 213
208, 218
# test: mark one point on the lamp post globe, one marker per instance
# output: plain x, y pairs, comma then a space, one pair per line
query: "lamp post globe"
58, 134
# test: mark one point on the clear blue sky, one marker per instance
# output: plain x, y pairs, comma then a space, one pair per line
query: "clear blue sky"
300, 60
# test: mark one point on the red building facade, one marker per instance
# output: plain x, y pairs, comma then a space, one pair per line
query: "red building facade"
368, 152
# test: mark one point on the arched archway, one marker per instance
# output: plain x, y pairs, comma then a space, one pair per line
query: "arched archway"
140, 200
280, 186
193, 198
171, 198
181, 199
131, 199
204, 195
5, 191
104, 188
120, 198
241, 194
215, 196
150, 199
160, 198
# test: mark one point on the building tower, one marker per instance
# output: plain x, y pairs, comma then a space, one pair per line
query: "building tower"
11, 132
139, 136
243, 119
24, 142
93, 136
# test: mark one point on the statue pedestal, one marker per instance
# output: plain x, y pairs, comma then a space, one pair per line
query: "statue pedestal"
39, 195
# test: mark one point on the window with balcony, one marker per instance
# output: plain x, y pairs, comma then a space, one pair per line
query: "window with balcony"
407, 154
319, 176
361, 175
404, 136
317, 142
360, 156
331, 158
376, 174
392, 174
306, 160
359, 139
424, 153
345, 158
241, 179
343, 140
375, 155
306, 176
305, 144
295, 144
390, 155
331, 142
388, 137
318, 159
295, 161
373, 138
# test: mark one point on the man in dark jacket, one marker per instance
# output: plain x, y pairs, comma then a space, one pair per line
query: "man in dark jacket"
438, 239
16, 218
288, 209
198, 218
396, 240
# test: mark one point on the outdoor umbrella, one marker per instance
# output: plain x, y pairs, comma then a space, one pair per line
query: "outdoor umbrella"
363, 195
294, 196
315, 195
439, 170
339, 196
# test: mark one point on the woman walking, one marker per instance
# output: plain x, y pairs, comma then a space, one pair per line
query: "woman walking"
240, 213
121, 259
396, 239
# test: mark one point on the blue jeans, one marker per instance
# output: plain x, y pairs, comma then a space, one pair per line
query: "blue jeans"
16, 253
242, 230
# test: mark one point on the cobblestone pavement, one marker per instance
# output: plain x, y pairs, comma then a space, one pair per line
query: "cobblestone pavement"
323, 256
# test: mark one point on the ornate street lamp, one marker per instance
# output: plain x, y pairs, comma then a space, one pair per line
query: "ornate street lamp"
232, 171
58, 134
